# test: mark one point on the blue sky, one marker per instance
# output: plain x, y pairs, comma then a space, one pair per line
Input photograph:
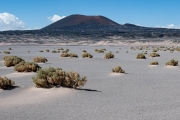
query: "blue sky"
39, 13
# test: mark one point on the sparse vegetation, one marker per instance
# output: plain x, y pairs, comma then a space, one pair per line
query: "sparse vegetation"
172, 62
11, 60
118, 69
6, 83
47, 50
9, 48
140, 56
41, 51
54, 51
154, 63
40, 59
108, 55
27, 67
84, 51
50, 77
87, 55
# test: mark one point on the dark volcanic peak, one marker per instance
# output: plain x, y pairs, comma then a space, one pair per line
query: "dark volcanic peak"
79, 20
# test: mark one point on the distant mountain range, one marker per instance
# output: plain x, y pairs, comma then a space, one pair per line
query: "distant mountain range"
89, 27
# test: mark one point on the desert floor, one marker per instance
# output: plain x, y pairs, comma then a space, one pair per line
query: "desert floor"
144, 92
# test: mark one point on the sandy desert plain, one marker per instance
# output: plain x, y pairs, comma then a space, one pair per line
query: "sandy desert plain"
143, 92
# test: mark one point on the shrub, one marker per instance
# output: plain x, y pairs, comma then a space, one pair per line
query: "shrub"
6, 83
154, 50
95, 50
11, 60
85, 55
28, 51
27, 67
118, 69
154, 63
140, 56
172, 62
73, 55
41, 51
51, 77
84, 51
154, 55
64, 51
100, 51
68, 55
108, 55
40, 59
54, 51
47, 50
6, 52
9, 49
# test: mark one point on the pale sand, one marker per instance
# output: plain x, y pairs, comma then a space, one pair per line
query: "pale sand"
116, 74
19, 74
145, 92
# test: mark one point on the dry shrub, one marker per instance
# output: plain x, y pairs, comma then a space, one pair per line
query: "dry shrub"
108, 55
40, 59
27, 67
47, 50
95, 50
118, 69
11, 60
9, 49
100, 51
6, 83
41, 51
6, 52
172, 62
154, 55
154, 50
87, 55
154, 63
140, 56
51, 77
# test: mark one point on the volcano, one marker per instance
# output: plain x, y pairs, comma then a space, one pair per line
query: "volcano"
77, 20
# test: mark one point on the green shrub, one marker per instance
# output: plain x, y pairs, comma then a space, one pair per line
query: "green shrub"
118, 69
154, 50
140, 56
11, 60
95, 50
6, 83
40, 59
6, 52
41, 51
64, 51
27, 67
172, 62
85, 55
51, 77
100, 51
154, 55
108, 55
47, 50
154, 63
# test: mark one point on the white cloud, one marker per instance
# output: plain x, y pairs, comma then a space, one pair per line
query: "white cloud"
55, 18
170, 26
11, 22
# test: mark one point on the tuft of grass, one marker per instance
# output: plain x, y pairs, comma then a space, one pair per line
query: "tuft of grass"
118, 69
50, 77
140, 56
11, 60
6, 83
154, 63
108, 55
87, 55
27, 67
172, 62
40, 59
